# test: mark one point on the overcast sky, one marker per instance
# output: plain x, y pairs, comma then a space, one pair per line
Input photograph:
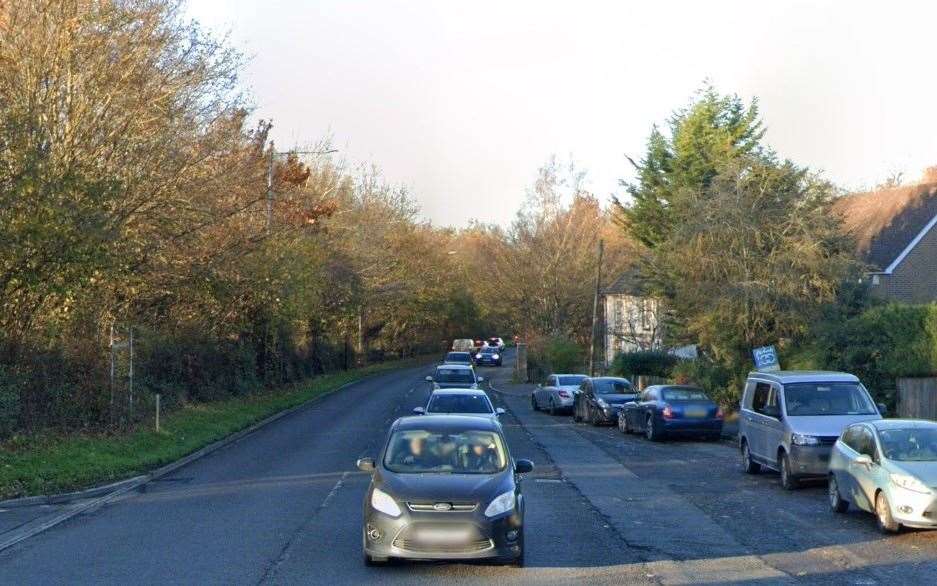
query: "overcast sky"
463, 101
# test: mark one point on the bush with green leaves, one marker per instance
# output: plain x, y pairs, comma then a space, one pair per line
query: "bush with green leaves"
646, 362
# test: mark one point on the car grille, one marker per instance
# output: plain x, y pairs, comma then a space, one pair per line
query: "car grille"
431, 507
420, 547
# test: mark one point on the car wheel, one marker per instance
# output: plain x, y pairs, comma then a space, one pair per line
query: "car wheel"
886, 523
576, 416
553, 407
788, 480
837, 503
533, 403
748, 464
651, 430
622, 423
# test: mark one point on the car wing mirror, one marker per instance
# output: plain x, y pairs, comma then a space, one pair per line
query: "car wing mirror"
500, 411
523, 466
429, 379
481, 379
864, 460
419, 410
882, 409
365, 464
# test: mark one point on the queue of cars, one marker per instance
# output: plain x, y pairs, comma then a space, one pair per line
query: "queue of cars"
805, 425
445, 486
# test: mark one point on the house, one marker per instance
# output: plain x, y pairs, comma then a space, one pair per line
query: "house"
896, 237
632, 318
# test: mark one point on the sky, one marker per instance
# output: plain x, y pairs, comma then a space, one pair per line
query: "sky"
462, 102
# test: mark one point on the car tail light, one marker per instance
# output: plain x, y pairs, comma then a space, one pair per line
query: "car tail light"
667, 413
719, 413
563, 394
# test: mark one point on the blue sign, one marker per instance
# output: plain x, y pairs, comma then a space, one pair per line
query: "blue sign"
766, 358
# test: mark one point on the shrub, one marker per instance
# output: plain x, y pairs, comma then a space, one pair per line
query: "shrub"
646, 362
554, 354
882, 344
721, 382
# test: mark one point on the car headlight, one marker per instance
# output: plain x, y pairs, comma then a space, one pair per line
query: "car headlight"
502, 504
801, 439
910, 483
383, 502
602, 403
495, 356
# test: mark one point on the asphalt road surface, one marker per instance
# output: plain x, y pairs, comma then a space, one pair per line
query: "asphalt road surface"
283, 506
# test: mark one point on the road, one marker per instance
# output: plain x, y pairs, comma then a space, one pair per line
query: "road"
283, 506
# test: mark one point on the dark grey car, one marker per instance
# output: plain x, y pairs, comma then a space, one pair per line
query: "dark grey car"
444, 487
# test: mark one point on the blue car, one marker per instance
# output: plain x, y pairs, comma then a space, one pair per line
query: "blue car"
669, 410
488, 356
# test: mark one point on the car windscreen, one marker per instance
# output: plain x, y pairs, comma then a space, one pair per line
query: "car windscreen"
489, 350
569, 381
612, 387
909, 445
458, 357
684, 395
463, 452
468, 403
827, 398
454, 375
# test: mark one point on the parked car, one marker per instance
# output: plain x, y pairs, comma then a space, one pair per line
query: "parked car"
666, 410
459, 358
459, 402
888, 468
463, 345
557, 393
789, 420
454, 376
496, 343
489, 356
444, 487
599, 399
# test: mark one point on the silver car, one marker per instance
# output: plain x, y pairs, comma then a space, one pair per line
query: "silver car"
459, 402
557, 394
789, 420
888, 468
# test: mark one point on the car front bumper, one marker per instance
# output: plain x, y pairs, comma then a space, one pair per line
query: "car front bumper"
474, 535
911, 508
810, 460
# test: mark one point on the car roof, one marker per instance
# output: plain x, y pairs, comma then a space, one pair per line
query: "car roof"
455, 366
569, 374
459, 391
611, 378
447, 423
803, 376
459, 352
687, 387
901, 423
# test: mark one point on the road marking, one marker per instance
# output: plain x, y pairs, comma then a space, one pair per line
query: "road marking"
334, 491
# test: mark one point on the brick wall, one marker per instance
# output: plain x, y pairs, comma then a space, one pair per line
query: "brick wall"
915, 278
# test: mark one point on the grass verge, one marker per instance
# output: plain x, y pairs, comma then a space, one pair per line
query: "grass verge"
54, 463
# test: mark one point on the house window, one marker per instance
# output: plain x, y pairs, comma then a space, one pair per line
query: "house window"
875, 280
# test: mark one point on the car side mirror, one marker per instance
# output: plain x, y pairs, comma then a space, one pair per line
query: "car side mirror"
539, 385
882, 409
523, 466
500, 411
864, 460
429, 379
419, 410
366, 464
481, 379
772, 412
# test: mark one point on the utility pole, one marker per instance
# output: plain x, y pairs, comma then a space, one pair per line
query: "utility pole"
595, 309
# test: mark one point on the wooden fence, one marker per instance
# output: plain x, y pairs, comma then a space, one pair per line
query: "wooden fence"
917, 398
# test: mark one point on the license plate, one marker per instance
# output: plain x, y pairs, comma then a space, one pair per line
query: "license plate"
443, 535
696, 413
